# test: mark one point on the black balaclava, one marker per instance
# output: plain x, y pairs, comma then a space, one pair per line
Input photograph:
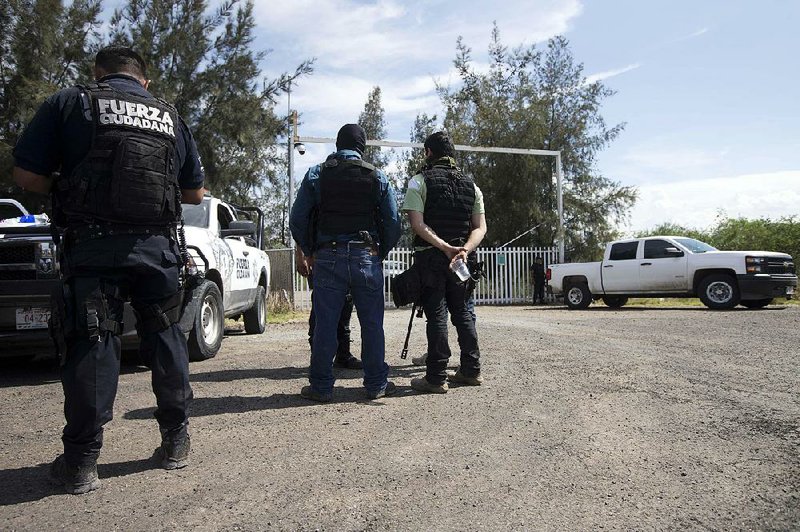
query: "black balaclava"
351, 137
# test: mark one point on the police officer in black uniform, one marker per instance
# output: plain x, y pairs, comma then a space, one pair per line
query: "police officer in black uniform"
446, 212
126, 161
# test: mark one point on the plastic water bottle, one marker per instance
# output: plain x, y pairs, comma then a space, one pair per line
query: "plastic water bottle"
461, 269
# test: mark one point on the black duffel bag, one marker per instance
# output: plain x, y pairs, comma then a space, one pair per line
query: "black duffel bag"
407, 287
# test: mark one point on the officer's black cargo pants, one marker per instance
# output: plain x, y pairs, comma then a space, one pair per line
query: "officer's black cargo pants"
104, 272
442, 292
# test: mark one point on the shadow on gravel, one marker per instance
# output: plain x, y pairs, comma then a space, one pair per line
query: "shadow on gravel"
28, 484
213, 406
277, 374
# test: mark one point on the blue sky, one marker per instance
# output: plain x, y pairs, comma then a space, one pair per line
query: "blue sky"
707, 89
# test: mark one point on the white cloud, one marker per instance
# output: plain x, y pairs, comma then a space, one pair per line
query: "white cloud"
599, 76
696, 203
349, 33
402, 46
698, 33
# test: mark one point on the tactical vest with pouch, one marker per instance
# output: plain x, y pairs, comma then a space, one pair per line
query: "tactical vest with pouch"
128, 176
449, 202
349, 190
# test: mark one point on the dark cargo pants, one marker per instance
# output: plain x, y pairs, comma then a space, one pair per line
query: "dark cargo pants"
442, 292
99, 275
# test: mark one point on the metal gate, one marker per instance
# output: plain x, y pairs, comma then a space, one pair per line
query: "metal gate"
508, 275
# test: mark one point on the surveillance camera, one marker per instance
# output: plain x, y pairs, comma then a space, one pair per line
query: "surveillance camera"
301, 148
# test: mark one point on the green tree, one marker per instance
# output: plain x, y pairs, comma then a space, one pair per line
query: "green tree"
762, 234
44, 47
673, 229
373, 120
204, 62
541, 100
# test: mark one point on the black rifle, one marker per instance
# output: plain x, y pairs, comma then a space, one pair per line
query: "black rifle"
404, 354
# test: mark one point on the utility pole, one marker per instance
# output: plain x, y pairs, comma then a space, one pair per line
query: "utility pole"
290, 133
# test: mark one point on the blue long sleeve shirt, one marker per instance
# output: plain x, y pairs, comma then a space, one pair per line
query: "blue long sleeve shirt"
309, 197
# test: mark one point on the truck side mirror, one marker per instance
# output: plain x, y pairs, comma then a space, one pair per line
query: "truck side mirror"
673, 252
239, 228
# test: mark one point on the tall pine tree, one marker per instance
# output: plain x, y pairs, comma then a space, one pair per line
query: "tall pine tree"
204, 62
536, 99
44, 47
373, 120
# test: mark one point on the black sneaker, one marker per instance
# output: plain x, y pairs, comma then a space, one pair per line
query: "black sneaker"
308, 393
76, 480
347, 361
174, 452
389, 389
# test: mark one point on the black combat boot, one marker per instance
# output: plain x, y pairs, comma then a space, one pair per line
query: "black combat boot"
75, 479
174, 451
347, 360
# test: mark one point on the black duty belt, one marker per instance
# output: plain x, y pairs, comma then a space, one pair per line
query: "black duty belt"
358, 244
82, 233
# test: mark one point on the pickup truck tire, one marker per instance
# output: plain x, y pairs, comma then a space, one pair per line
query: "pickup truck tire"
615, 301
205, 338
756, 303
719, 292
255, 318
578, 296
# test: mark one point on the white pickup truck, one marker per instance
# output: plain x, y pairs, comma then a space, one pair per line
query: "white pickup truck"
231, 277
675, 266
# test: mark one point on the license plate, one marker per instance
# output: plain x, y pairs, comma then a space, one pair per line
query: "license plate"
789, 290
32, 318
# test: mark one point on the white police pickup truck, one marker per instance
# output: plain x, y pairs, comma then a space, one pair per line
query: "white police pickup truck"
225, 245
675, 266
229, 276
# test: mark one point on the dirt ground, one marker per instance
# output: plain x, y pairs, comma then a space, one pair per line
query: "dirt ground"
639, 418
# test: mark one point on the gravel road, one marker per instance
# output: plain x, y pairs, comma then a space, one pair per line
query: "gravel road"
639, 418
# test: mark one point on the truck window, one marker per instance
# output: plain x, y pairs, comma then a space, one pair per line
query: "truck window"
195, 215
654, 249
224, 216
624, 251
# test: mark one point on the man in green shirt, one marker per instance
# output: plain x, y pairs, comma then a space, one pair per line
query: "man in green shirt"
446, 212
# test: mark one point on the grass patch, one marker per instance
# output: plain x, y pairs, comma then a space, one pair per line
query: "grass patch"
280, 310
288, 317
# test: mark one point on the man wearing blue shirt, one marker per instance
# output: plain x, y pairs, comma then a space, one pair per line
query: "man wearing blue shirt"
125, 162
345, 220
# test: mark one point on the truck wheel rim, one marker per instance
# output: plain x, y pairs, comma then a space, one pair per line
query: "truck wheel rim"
719, 292
210, 320
262, 305
575, 296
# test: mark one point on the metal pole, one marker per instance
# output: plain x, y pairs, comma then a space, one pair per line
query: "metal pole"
291, 134
290, 142
560, 192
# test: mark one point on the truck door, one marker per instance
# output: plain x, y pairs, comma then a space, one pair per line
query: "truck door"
661, 270
620, 271
242, 281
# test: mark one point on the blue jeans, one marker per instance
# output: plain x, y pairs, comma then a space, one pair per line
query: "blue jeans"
336, 272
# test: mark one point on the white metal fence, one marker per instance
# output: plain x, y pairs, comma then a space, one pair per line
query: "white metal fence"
508, 275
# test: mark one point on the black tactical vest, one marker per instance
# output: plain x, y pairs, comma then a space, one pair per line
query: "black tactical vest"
128, 176
449, 201
350, 192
